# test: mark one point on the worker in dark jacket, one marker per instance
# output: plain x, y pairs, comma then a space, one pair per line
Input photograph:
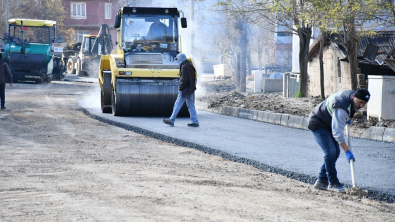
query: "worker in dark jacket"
327, 122
5, 73
186, 91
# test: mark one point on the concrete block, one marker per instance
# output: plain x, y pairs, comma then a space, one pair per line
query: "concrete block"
230, 111
201, 105
377, 133
225, 110
295, 121
266, 115
366, 134
389, 135
254, 115
270, 117
235, 111
284, 119
305, 123
245, 113
261, 116
277, 118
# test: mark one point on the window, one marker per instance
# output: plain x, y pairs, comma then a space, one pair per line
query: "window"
78, 10
107, 10
79, 34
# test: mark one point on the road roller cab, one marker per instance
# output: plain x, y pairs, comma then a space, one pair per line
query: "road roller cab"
142, 78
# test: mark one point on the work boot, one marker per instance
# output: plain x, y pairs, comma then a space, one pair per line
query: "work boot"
193, 124
168, 122
320, 185
337, 187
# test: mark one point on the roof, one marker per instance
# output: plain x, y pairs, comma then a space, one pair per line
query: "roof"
32, 22
372, 49
150, 10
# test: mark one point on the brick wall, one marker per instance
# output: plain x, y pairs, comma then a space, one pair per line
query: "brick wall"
336, 73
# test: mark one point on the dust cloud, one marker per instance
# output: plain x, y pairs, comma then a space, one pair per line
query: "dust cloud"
92, 99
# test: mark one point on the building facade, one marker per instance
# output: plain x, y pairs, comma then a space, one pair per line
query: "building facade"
87, 16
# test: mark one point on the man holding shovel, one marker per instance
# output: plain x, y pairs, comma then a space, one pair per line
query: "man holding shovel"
327, 122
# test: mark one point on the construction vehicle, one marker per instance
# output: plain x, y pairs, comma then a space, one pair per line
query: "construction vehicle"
58, 66
29, 49
89, 52
142, 79
70, 52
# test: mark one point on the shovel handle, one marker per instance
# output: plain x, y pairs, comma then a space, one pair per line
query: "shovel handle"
351, 161
352, 173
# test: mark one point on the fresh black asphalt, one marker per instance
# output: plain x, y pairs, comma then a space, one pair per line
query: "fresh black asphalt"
273, 148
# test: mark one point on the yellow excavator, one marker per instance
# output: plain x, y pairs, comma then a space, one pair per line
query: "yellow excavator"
89, 52
142, 78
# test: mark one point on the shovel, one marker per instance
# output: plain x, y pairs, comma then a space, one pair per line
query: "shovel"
351, 161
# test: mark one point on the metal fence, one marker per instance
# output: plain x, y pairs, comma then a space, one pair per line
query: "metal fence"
291, 84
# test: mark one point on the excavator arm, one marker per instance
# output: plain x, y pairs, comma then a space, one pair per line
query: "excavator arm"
103, 42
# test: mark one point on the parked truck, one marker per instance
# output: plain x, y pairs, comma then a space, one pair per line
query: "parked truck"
29, 50
142, 78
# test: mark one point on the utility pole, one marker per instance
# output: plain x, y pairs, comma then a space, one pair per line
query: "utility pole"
8, 31
192, 26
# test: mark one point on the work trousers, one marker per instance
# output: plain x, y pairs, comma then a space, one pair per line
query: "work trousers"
190, 104
331, 149
2, 94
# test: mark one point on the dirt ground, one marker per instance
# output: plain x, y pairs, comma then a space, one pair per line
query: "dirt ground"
220, 93
58, 164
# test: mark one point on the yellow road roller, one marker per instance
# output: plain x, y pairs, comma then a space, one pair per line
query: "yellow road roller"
142, 78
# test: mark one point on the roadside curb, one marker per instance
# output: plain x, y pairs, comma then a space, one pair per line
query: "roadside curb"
373, 133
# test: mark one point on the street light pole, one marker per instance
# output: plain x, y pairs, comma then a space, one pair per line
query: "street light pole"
192, 26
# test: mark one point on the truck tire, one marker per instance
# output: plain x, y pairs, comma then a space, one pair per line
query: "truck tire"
70, 66
57, 72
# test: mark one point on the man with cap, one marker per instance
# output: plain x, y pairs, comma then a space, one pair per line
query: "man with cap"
186, 91
327, 122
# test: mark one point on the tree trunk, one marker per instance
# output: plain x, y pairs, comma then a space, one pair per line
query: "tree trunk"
304, 42
322, 76
238, 70
260, 60
243, 59
352, 51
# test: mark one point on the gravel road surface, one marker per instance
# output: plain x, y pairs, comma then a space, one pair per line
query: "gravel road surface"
59, 164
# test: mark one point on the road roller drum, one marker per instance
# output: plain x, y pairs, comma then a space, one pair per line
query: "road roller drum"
139, 97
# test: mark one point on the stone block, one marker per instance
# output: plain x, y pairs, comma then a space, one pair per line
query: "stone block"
230, 111
245, 113
266, 115
201, 105
261, 116
366, 134
270, 117
284, 119
305, 123
377, 133
277, 118
254, 115
389, 135
295, 121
